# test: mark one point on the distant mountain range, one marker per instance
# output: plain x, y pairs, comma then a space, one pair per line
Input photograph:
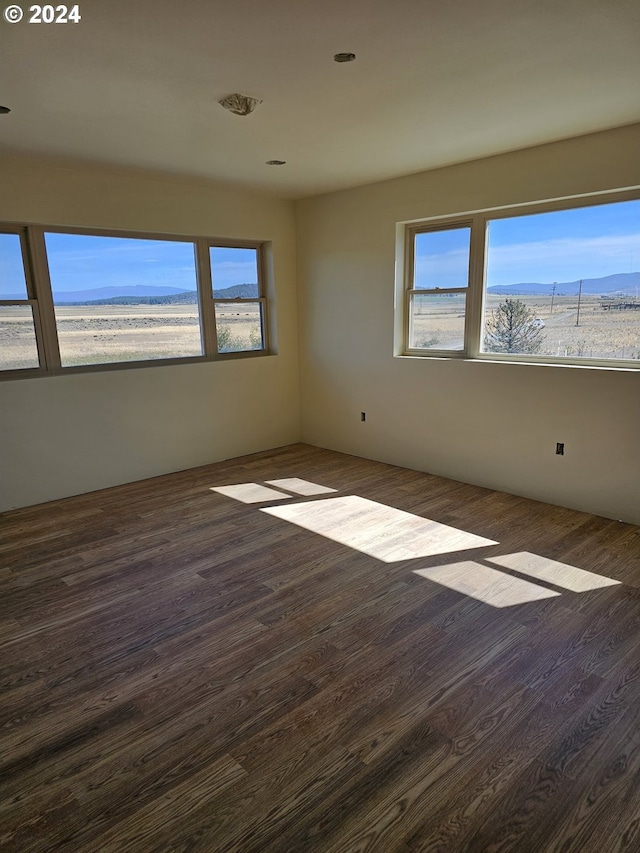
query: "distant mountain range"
142, 295
99, 294
624, 283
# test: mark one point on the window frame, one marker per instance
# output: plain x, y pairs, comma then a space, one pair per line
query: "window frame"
411, 292
476, 290
261, 298
37, 276
32, 301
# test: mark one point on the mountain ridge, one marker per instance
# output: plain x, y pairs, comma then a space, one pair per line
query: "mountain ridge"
618, 283
142, 295
624, 283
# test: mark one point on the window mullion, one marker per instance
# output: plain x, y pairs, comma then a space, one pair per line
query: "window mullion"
48, 346
264, 303
409, 275
205, 300
477, 254
437, 290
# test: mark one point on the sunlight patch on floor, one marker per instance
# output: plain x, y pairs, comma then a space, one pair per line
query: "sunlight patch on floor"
485, 584
300, 487
559, 574
250, 493
381, 531
391, 535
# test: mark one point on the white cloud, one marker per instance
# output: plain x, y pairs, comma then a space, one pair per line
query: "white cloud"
563, 259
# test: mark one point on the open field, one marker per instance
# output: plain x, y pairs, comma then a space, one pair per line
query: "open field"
111, 333
601, 333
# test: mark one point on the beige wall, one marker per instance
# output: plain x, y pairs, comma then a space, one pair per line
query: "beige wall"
491, 424
495, 425
72, 434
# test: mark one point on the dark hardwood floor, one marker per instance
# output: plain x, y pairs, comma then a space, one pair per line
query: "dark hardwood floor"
183, 671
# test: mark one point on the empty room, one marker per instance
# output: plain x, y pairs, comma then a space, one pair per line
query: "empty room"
319, 427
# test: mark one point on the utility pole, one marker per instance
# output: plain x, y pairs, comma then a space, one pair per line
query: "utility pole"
579, 295
553, 294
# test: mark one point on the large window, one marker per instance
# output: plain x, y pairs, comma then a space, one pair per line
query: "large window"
121, 299
79, 300
551, 284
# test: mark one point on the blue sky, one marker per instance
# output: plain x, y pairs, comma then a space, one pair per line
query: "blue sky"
81, 262
588, 242
11, 271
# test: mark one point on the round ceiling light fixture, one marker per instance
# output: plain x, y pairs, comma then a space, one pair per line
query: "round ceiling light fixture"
4, 110
344, 57
275, 162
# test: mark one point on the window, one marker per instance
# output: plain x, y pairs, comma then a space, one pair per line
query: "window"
18, 308
122, 299
550, 283
238, 304
438, 293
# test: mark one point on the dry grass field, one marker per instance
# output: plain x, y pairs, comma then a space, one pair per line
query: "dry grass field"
601, 333
110, 333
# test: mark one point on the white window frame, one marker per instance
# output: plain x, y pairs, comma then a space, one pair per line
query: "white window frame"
32, 301
412, 232
261, 298
36, 270
476, 293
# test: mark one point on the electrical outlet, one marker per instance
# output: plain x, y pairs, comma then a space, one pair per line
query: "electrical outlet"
560, 448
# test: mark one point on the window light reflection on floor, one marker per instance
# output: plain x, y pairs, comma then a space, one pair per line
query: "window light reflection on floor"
253, 493
250, 493
551, 571
390, 535
300, 487
486, 584
381, 531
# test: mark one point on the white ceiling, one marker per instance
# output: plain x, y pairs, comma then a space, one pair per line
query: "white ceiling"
435, 82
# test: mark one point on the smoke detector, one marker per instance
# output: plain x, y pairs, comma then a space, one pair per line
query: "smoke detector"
240, 105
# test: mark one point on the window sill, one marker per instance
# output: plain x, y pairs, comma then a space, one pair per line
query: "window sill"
625, 367
39, 373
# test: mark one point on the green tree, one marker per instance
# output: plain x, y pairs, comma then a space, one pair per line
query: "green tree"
226, 341
512, 328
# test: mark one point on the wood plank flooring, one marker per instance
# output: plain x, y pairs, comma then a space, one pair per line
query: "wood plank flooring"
183, 671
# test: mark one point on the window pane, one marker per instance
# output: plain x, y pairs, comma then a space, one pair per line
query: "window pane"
442, 259
123, 299
436, 321
17, 338
565, 283
13, 284
234, 272
239, 326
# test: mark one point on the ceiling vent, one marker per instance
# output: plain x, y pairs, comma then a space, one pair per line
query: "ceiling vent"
240, 105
